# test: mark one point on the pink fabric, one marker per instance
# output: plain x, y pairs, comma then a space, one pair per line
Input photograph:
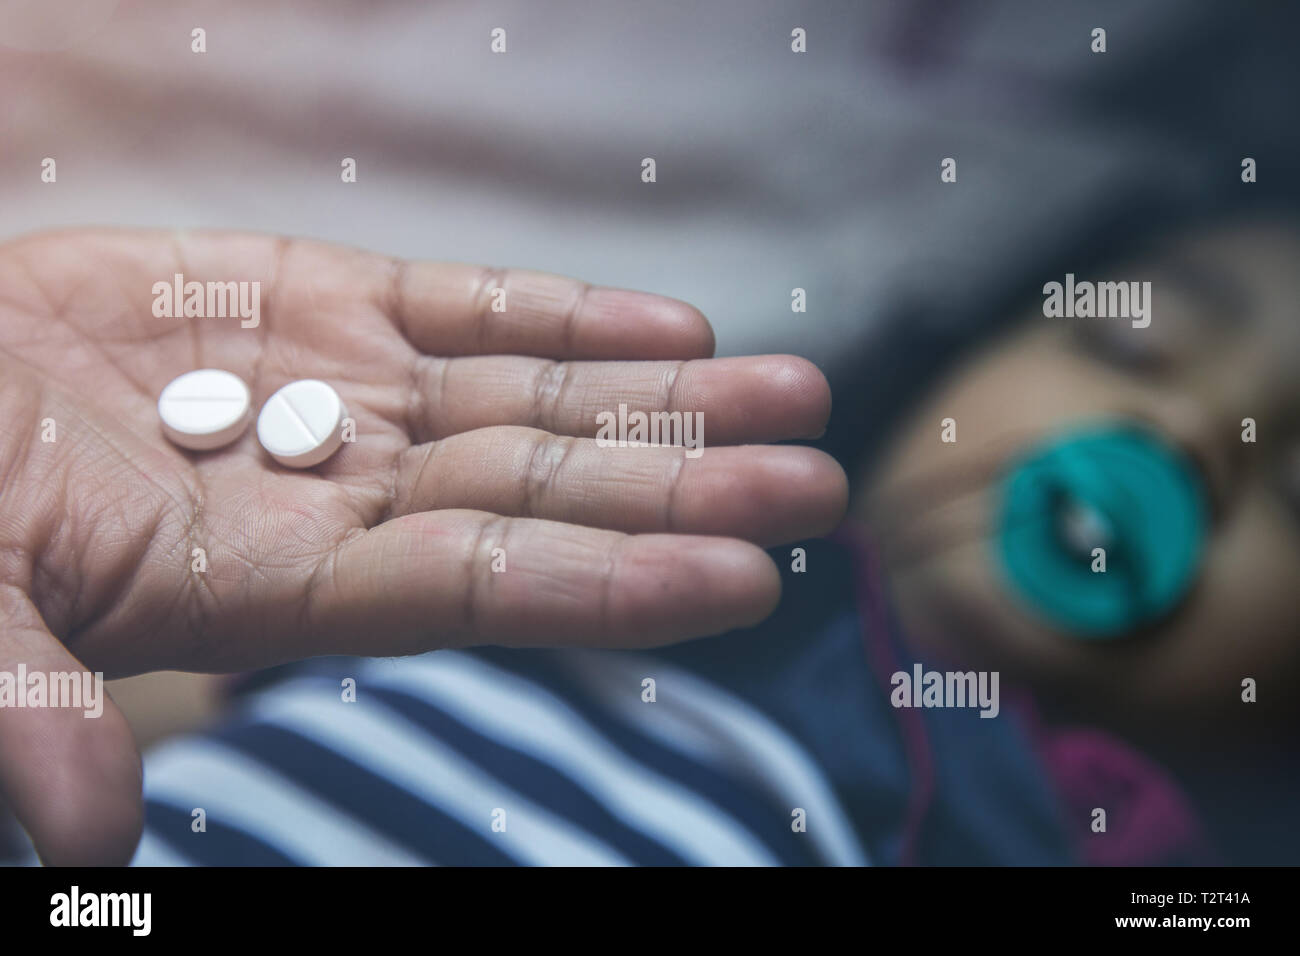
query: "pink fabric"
1149, 821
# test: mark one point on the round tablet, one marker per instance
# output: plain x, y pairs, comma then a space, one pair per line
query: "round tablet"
302, 424
204, 409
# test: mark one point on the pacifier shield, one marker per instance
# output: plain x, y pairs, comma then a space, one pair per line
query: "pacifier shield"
1114, 487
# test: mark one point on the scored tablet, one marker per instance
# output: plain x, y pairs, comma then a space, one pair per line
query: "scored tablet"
302, 424
204, 409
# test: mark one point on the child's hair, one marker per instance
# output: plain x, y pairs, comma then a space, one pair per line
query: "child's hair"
915, 351
1221, 93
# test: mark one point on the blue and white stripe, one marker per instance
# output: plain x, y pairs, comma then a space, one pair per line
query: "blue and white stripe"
417, 769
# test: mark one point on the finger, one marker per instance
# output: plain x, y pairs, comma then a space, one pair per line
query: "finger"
766, 494
450, 578
752, 399
72, 780
446, 309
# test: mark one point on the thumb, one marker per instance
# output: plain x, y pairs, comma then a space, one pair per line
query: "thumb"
71, 774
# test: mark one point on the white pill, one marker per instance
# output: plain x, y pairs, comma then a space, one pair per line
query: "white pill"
302, 424
204, 409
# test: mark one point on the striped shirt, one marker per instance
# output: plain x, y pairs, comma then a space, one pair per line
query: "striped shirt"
775, 745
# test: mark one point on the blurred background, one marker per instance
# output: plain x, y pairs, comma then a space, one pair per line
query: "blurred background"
775, 170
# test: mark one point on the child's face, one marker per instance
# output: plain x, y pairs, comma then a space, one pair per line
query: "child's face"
1222, 346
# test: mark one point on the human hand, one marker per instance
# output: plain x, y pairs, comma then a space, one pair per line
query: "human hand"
474, 432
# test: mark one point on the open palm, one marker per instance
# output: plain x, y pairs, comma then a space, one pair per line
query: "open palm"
473, 507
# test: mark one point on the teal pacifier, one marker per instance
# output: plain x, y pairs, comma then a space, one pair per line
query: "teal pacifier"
1116, 488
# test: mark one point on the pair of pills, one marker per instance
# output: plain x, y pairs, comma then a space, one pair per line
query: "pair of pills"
299, 426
